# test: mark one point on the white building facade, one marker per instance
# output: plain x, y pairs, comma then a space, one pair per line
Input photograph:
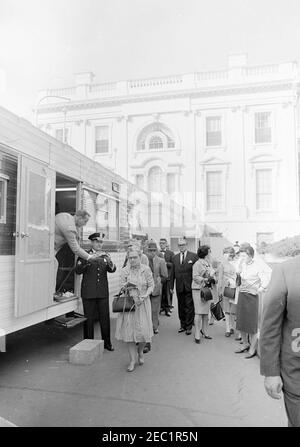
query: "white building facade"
224, 143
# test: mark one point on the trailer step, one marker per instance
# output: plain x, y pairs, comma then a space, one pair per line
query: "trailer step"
69, 322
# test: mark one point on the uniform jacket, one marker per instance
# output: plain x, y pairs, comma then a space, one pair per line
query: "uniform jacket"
160, 272
168, 257
280, 327
183, 273
94, 281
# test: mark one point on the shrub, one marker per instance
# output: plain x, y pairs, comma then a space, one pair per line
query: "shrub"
289, 246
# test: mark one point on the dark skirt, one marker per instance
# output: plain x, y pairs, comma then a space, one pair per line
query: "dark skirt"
247, 313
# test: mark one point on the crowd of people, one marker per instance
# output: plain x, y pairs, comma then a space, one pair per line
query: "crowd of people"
154, 272
237, 282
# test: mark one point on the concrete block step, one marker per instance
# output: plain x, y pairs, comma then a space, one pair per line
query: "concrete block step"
86, 352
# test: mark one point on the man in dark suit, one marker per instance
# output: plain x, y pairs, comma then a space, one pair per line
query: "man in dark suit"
94, 289
168, 284
280, 338
183, 273
160, 273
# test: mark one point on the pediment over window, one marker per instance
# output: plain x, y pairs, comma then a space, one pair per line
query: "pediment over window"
263, 158
214, 161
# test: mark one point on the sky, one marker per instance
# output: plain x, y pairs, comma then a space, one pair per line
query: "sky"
44, 42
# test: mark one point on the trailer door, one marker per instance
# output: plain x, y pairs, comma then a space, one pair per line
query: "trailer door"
34, 237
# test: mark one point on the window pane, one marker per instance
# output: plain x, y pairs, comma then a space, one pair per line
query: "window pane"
263, 127
263, 189
139, 181
102, 139
213, 124
171, 185
89, 199
59, 134
102, 215
2, 200
155, 179
101, 132
102, 146
214, 190
38, 216
171, 143
113, 220
213, 131
156, 143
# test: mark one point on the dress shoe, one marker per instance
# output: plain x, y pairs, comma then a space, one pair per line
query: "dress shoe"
109, 347
181, 330
168, 314
232, 331
249, 356
131, 367
227, 334
205, 336
188, 332
238, 338
155, 331
197, 340
240, 351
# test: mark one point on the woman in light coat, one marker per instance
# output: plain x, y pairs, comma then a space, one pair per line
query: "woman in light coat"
227, 274
135, 328
202, 274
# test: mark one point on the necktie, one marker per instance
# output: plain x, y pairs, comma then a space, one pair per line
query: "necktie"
182, 258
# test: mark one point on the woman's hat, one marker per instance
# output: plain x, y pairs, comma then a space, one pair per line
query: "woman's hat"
152, 245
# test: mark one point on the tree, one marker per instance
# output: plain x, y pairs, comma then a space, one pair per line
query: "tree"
289, 246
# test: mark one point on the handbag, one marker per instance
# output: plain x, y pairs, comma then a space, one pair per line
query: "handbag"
229, 292
238, 280
123, 302
206, 294
217, 311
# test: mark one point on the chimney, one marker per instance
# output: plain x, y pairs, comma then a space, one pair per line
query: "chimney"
237, 60
84, 78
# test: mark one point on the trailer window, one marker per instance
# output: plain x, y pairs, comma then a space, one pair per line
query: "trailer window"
104, 212
3, 199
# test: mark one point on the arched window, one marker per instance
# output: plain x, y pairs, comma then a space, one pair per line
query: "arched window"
156, 143
155, 178
156, 137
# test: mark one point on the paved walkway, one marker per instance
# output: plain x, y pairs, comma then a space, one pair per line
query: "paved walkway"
180, 384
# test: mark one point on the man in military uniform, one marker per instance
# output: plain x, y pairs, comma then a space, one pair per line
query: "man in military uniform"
94, 289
